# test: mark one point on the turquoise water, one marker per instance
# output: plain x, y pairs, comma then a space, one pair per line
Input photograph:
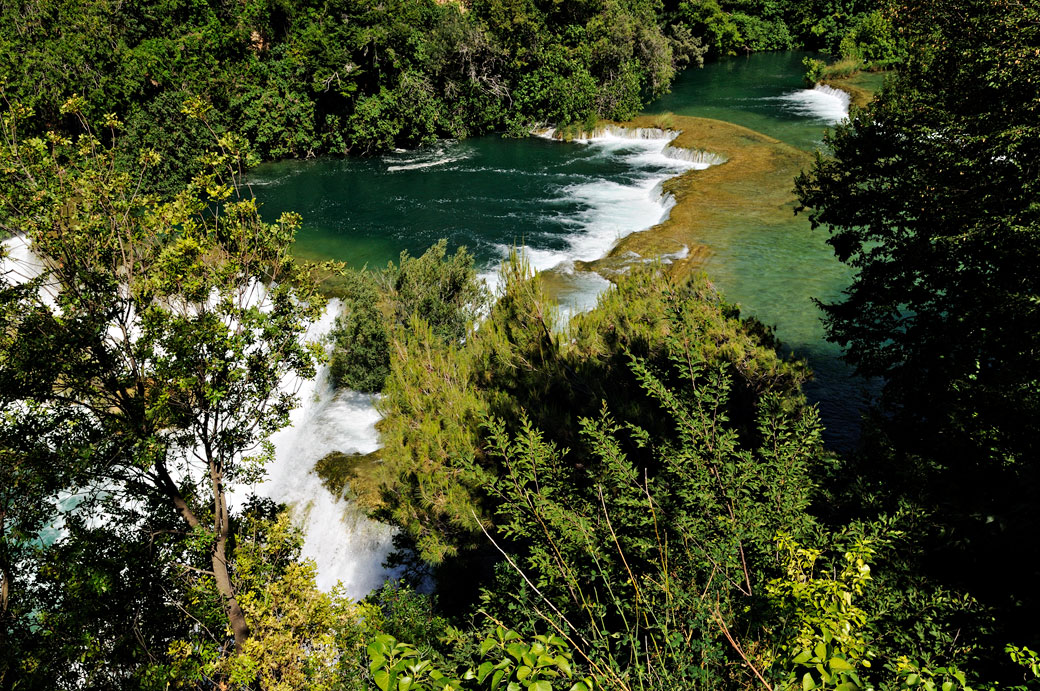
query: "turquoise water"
763, 92
568, 201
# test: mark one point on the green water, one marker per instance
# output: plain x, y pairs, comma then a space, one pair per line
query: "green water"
763, 92
568, 201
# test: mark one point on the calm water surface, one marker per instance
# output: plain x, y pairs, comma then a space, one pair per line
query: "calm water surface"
568, 201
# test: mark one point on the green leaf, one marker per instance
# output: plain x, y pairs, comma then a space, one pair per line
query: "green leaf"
483, 671
486, 645
377, 661
382, 679
821, 651
838, 665
802, 657
579, 686
496, 679
808, 682
540, 686
947, 686
847, 686
378, 646
912, 679
523, 672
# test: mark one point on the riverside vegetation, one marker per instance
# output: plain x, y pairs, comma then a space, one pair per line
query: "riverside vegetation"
638, 498
305, 78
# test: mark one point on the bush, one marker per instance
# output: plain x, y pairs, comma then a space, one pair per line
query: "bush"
813, 70
445, 291
360, 345
761, 34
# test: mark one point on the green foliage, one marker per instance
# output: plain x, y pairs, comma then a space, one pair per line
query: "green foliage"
762, 35
507, 662
931, 198
360, 346
543, 665
719, 30
561, 91
506, 431
871, 39
445, 291
828, 646
157, 333
309, 78
408, 615
302, 638
654, 580
399, 666
515, 364
926, 199
813, 70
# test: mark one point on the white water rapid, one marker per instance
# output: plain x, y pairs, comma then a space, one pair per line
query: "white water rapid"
822, 102
610, 210
346, 545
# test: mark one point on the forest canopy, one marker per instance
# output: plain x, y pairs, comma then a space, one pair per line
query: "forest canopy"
305, 78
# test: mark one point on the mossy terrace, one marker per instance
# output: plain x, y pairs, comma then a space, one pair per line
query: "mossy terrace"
755, 182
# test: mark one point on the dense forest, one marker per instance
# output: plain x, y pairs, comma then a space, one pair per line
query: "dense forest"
636, 498
303, 78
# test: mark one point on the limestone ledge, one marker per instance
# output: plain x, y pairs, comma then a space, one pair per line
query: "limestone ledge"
750, 178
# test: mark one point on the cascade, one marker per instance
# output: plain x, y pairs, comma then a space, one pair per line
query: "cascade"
345, 544
822, 102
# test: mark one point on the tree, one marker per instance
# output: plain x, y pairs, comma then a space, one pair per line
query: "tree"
170, 325
931, 195
444, 290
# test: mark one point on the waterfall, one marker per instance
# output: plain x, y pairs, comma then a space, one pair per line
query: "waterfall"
605, 132
697, 156
346, 545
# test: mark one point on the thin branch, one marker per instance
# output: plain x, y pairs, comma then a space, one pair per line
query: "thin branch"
524, 576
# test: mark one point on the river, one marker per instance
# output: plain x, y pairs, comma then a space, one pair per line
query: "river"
564, 202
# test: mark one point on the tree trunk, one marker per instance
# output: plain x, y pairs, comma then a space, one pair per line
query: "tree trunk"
236, 617
221, 573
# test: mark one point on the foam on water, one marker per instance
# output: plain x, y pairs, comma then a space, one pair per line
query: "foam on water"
822, 102
20, 265
608, 210
440, 154
345, 544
